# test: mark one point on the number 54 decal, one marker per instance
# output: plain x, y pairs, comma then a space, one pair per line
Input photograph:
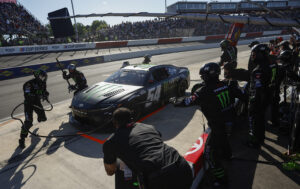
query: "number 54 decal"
153, 95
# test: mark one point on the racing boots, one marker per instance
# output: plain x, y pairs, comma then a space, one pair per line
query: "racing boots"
42, 118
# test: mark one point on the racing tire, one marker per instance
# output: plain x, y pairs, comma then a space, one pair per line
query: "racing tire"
196, 87
182, 86
137, 113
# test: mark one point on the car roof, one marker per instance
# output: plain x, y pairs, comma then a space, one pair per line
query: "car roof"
145, 67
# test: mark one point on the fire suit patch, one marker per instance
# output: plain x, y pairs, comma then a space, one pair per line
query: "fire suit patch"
257, 83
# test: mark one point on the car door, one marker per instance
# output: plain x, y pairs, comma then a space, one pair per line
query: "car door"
154, 86
170, 85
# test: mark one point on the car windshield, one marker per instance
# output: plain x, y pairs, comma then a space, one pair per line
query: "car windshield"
128, 77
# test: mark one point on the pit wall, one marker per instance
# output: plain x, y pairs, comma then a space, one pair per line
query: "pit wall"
19, 50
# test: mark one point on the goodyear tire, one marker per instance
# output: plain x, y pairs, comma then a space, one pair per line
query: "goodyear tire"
137, 113
182, 86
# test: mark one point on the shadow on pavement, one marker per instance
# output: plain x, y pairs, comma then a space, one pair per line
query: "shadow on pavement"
257, 168
172, 120
11, 175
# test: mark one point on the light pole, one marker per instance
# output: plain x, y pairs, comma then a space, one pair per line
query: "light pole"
76, 31
165, 5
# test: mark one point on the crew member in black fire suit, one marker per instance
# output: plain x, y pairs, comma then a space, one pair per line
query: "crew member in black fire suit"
78, 78
147, 59
34, 91
142, 149
216, 100
241, 74
228, 57
259, 94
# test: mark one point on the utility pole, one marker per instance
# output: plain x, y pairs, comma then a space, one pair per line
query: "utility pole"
165, 5
76, 30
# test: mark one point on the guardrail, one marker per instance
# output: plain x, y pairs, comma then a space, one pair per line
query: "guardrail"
115, 44
10, 73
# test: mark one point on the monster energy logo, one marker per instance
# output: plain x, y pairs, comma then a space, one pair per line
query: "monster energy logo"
273, 74
224, 98
39, 92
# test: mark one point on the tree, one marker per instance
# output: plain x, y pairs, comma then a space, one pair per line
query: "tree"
49, 29
82, 31
98, 25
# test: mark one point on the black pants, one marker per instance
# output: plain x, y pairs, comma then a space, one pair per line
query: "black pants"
177, 176
217, 149
29, 107
257, 126
275, 108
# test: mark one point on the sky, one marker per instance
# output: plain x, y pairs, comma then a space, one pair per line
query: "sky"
41, 8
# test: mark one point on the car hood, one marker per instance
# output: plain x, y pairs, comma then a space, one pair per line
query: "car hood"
103, 92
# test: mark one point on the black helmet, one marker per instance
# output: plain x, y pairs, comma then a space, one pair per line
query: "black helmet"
260, 54
253, 43
210, 71
40, 74
285, 56
71, 67
126, 63
147, 59
224, 44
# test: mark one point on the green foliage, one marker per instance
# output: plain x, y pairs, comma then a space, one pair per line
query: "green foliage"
98, 25
49, 29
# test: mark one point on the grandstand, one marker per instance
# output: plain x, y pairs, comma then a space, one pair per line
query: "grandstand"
17, 22
231, 7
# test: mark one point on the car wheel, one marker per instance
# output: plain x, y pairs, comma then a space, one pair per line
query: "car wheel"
137, 113
182, 86
196, 87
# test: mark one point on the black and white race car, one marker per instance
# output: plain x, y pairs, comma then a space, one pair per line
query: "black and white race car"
137, 87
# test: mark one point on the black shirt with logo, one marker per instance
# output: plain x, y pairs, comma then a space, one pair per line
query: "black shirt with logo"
140, 147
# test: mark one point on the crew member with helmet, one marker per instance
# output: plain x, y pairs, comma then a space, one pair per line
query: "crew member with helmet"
141, 148
228, 57
285, 46
241, 74
259, 94
216, 100
77, 76
147, 59
34, 90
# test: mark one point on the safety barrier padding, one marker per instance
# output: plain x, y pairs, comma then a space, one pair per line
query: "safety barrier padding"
195, 157
169, 40
254, 34
111, 44
142, 42
114, 44
213, 37
10, 73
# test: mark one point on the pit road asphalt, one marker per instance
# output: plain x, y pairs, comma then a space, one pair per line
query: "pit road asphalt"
11, 93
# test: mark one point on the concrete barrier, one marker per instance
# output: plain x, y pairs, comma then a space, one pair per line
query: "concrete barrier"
115, 44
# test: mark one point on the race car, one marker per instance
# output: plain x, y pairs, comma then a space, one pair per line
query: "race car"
137, 87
